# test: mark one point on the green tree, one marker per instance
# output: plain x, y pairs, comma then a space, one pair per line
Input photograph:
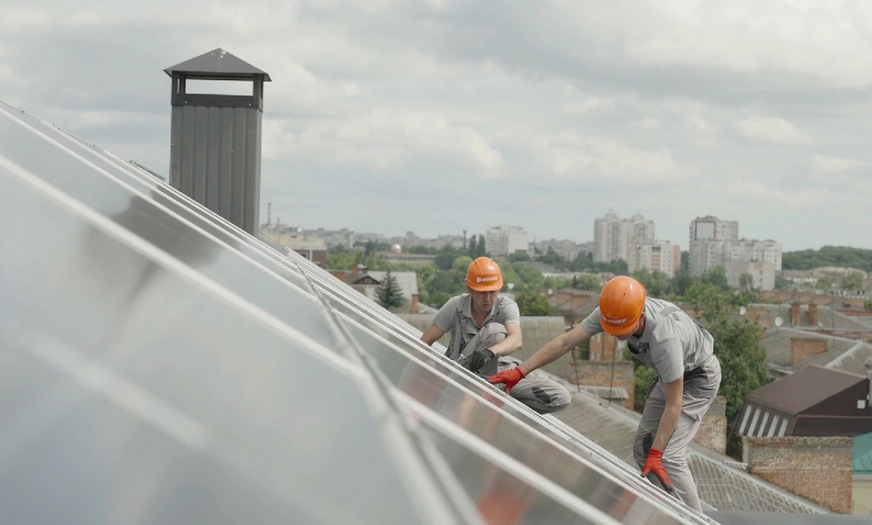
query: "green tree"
643, 377
737, 345
743, 366
709, 301
655, 282
716, 275
389, 293
519, 257
586, 281
679, 284
852, 281
341, 260
746, 282
551, 257
582, 262
531, 277
473, 247
481, 250
534, 304
461, 264
782, 284
617, 267
842, 256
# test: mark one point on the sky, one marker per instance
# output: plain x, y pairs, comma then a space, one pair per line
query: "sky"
439, 116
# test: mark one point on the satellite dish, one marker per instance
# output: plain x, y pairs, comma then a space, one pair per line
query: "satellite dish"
742, 310
778, 321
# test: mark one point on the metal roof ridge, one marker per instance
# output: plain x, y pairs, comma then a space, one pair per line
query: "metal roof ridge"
218, 63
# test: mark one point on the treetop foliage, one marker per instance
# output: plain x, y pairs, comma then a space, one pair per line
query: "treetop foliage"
842, 256
389, 293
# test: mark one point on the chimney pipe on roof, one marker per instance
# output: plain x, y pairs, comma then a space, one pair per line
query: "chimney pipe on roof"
869, 377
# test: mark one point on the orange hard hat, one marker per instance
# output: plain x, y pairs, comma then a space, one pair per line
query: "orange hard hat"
622, 303
484, 275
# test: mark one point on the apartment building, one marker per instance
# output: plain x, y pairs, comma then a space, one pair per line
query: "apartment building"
655, 256
615, 238
715, 242
506, 240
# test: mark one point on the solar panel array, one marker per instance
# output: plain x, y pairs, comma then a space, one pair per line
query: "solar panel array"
160, 365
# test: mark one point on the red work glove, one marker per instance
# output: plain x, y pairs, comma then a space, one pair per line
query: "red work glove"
509, 377
654, 465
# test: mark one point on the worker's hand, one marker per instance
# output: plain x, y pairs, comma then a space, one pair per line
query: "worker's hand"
478, 359
509, 377
654, 467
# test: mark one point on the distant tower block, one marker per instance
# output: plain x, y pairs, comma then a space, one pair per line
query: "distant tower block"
216, 139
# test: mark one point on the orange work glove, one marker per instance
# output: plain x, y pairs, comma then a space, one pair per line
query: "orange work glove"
654, 465
509, 377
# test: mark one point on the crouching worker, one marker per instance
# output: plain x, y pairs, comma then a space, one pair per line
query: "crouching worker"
485, 329
663, 336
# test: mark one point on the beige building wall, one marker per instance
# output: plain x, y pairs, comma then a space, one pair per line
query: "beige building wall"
863, 494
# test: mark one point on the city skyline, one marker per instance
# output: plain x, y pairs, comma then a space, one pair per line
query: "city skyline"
438, 116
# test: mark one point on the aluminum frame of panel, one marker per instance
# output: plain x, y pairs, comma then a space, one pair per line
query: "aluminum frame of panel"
339, 301
237, 419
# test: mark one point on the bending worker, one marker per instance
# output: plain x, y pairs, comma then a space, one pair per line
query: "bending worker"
485, 328
663, 336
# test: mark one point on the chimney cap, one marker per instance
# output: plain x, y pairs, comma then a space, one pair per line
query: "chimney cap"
217, 65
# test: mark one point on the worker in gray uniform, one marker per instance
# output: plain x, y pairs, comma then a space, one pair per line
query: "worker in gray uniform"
681, 351
485, 329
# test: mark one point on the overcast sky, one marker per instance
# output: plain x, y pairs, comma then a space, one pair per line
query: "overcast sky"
443, 115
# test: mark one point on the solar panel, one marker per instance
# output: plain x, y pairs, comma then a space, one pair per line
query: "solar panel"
161, 365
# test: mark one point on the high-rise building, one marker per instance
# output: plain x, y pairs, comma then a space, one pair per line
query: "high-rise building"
655, 256
714, 242
708, 236
615, 238
506, 240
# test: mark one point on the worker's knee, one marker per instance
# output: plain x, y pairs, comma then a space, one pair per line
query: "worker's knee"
491, 334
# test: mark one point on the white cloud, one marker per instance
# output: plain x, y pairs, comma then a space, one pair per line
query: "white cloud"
759, 191
351, 89
486, 157
568, 96
836, 164
647, 123
384, 139
772, 129
571, 157
589, 103
825, 41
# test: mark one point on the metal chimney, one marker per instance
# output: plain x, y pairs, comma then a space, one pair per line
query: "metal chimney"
215, 139
869, 376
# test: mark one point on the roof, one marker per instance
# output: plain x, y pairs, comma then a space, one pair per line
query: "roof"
828, 319
721, 484
849, 355
863, 453
197, 363
217, 64
796, 393
408, 281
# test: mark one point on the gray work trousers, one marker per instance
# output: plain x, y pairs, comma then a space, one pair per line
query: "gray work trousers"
699, 392
537, 390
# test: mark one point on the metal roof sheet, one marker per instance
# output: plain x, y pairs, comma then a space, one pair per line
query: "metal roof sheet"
796, 393
841, 353
721, 484
862, 454
217, 64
